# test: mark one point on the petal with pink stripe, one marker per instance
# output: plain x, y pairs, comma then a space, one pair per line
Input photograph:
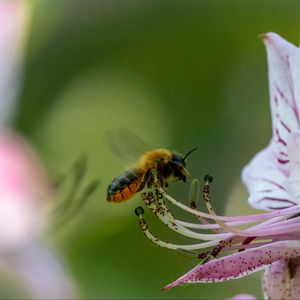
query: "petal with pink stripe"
266, 183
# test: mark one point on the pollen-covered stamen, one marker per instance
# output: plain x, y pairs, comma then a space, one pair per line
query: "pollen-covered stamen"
194, 195
167, 219
272, 227
241, 248
206, 197
285, 226
207, 256
232, 243
286, 212
143, 225
139, 211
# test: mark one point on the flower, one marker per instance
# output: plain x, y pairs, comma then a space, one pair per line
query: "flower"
272, 178
24, 204
14, 23
24, 191
24, 187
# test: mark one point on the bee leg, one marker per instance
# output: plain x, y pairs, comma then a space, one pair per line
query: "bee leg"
150, 182
148, 178
142, 185
162, 182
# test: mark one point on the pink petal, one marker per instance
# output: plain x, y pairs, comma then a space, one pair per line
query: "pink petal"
284, 66
266, 183
239, 264
281, 280
24, 192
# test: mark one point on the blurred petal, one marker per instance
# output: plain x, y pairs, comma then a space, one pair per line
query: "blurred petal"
14, 17
24, 196
23, 192
239, 264
243, 297
281, 280
41, 272
284, 68
266, 183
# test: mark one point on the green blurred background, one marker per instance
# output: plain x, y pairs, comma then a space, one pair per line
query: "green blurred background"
178, 73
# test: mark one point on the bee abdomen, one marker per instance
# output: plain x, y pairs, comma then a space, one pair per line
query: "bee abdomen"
125, 186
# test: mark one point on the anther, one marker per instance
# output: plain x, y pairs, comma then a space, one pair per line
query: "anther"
139, 211
208, 179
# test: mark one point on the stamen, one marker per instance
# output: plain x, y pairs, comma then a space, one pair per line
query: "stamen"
212, 226
244, 247
216, 250
274, 229
143, 225
290, 211
167, 219
194, 195
206, 197
275, 226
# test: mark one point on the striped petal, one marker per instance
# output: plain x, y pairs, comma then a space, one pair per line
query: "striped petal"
294, 172
284, 85
239, 264
266, 183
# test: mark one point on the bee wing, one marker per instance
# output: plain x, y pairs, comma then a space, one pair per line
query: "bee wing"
126, 144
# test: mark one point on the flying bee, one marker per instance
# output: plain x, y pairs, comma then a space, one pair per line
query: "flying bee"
166, 164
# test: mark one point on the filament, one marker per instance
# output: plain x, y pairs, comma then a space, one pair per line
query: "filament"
158, 242
167, 218
278, 225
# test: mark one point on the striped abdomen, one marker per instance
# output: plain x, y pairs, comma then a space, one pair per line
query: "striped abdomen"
125, 186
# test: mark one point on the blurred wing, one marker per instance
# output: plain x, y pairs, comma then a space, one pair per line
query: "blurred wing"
126, 144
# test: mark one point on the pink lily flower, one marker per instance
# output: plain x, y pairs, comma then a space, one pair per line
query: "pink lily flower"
273, 181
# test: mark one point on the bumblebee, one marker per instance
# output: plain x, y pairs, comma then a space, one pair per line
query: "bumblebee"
166, 164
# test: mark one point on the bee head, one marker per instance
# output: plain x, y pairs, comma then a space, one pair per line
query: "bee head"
179, 164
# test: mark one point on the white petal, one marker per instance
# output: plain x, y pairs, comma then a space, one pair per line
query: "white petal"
293, 185
284, 68
266, 183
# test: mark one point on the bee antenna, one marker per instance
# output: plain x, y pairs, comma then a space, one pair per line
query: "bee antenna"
189, 153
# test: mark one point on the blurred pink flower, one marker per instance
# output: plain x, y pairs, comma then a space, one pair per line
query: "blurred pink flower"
14, 23
24, 192
24, 188
273, 180
24, 205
